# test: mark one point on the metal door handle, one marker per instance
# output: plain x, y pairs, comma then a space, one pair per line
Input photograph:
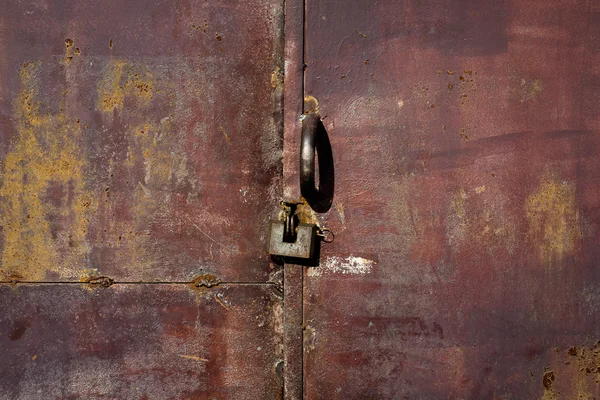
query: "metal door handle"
315, 140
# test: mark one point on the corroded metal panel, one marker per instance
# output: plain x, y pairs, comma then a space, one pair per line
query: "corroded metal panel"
138, 140
139, 341
466, 138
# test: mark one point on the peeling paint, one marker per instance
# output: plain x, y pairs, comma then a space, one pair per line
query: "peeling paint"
345, 266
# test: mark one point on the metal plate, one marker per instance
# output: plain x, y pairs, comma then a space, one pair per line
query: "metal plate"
138, 140
67, 341
465, 137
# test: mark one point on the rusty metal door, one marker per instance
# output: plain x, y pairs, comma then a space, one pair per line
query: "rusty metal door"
140, 158
140, 152
465, 136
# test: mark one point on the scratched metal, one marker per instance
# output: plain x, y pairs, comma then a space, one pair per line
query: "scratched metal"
138, 140
466, 144
140, 342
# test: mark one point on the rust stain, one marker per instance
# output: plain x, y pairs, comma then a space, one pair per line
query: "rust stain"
311, 105
102, 281
524, 89
408, 224
203, 286
88, 274
225, 135
306, 214
572, 374
277, 78
340, 209
122, 79
554, 219
195, 358
457, 224
202, 27
220, 302
94, 279
360, 33
548, 381
155, 147
205, 280
69, 51
43, 178
481, 222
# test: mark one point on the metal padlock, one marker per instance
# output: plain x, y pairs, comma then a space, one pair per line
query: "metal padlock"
303, 245
290, 238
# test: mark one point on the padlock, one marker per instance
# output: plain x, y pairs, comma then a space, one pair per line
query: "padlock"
302, 246
291, 239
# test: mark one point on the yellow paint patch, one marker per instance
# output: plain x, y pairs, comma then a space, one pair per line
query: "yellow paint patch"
45, 208
554, 220
122, 79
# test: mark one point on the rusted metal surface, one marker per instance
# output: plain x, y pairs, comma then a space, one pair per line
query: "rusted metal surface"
465, 137
139, 140
293, 103
292, 330
293, 274
132, 341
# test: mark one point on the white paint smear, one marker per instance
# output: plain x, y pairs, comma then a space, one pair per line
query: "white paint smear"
345, 266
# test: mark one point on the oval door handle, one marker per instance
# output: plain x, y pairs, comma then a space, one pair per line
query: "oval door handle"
315, 141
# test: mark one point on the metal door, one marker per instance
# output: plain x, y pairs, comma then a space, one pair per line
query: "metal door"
465, 264
140, 158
